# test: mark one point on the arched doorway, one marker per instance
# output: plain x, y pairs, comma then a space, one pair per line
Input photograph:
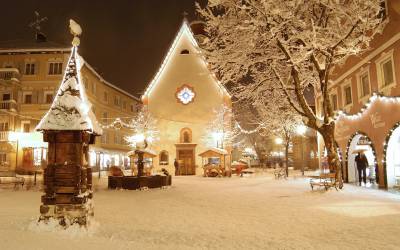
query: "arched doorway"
392, 157
360, 142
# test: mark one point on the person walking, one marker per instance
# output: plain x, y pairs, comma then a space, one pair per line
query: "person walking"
176, 165
362, 164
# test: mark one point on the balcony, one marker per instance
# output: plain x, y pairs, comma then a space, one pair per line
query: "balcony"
4, 136
10, 105
9, 75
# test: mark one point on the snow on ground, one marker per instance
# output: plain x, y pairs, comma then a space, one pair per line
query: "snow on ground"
214, 213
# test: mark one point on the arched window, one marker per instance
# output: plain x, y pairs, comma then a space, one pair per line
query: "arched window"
186, 135
163, 157
185, 52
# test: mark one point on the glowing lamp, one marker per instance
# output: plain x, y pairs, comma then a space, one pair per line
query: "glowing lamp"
301, 129
278, 141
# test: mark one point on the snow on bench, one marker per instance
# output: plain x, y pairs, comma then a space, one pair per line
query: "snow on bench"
8, 177
324, 180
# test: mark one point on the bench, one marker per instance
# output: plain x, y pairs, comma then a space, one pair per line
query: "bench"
9, 177
280, 173
247, 171
324, 180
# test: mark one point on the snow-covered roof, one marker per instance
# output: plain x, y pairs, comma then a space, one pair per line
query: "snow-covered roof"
184, 30
71, 109
148, 153
218, 151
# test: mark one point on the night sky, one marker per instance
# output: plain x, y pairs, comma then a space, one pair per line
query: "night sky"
124, 40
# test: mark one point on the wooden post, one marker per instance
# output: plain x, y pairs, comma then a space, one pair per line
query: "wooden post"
140, 162
67, 178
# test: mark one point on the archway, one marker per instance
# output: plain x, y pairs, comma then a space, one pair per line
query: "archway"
361, 142
392, 157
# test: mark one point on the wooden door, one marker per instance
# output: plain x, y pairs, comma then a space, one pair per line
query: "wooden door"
186, 162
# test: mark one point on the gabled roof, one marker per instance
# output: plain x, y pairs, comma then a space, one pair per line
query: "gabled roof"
184, 30
70, 109
23, 45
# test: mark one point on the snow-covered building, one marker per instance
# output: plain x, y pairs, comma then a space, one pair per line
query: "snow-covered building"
365, 94
182, 96
30, 74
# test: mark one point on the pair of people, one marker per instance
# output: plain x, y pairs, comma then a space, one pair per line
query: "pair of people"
362, 164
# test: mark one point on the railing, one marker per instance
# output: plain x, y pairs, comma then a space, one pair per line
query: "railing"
8, 105
8, 74
4, 135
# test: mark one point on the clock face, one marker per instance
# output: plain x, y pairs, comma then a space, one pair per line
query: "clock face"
185, 94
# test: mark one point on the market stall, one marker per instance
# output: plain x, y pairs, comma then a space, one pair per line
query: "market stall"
213, 162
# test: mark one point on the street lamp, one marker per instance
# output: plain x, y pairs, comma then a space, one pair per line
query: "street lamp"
218, 137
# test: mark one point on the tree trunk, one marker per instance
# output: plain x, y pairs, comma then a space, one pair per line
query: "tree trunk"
287, 158
327, 133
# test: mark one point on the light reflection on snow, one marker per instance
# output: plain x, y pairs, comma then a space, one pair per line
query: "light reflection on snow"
361, 209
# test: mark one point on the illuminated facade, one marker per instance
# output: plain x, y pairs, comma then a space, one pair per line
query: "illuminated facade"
29, 77
363, 94
182, 97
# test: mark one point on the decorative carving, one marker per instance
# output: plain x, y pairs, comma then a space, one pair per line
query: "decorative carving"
185, 94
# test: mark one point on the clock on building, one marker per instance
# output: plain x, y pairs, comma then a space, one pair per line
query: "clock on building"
185, 94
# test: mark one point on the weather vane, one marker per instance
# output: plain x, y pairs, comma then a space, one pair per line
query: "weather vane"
36, 24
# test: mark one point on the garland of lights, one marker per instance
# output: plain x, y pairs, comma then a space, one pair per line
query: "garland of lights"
348, 147
247, 131
385, 146
371, 100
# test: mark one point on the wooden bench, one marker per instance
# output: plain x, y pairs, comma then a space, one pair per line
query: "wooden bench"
280, 173
324, 180
9, 177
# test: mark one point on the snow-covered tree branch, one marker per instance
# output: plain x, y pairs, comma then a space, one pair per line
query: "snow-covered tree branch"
256, 45
145, 131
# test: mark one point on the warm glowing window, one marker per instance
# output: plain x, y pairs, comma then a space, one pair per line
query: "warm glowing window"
186, 135
164, 158
55, 68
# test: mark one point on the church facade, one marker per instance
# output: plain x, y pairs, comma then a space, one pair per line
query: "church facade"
182, 97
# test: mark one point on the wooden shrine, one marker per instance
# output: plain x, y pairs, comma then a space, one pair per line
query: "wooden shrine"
67, 178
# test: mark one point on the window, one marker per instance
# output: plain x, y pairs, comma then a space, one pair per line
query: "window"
334, 101
48, 97
124, 104
29, 69
26, 127
117, 101
93, 87
3, 157
347, 95
186, 135
6, 97
27, 98
383, 13
55, 68
163, 158
3, 126
116, 139
364, 85
132, 108
105, 97
104, 137
387, 72
185, 52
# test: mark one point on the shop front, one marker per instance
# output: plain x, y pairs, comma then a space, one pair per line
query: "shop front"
374, 132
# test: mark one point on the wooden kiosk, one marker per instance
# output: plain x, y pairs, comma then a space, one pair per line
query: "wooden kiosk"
214, 162
134, 157
69, 127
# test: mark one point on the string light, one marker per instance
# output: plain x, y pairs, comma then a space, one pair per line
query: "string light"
185, 29
247, 131
375, 97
